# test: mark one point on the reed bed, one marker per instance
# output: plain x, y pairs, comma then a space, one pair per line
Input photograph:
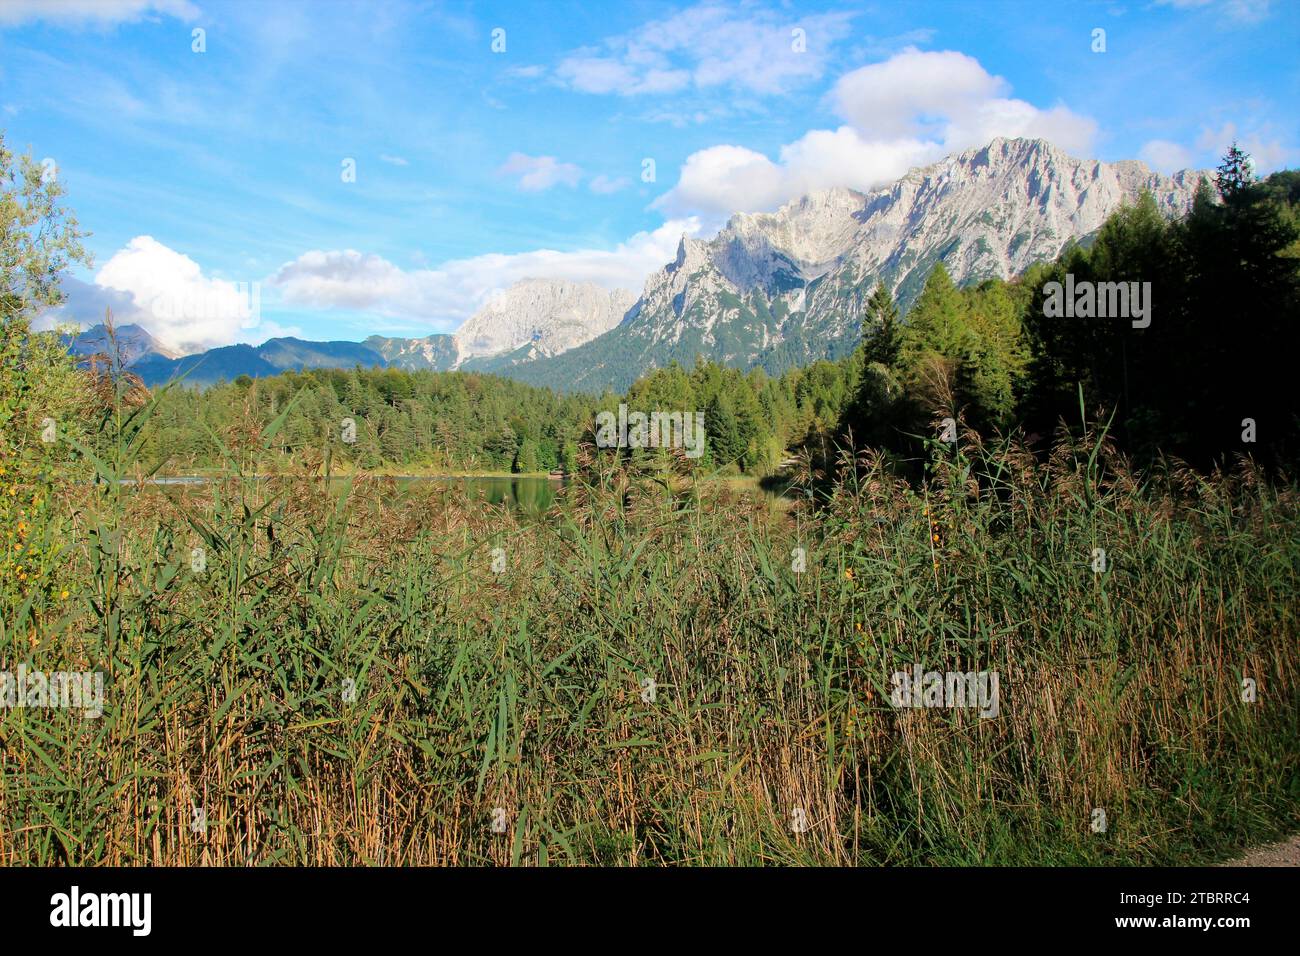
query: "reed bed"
357, 677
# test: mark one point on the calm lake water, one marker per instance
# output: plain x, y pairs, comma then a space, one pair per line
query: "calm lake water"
527, 494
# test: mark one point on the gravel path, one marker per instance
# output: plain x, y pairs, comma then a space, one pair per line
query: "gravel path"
1286, 853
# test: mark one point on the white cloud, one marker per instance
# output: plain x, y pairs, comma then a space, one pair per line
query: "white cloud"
707, 46
1266, 150
604, 185
530, 72
345, 280
85, 304
1261, 141
1247, 11
823, 158
148, 284
536, 173
1243, 11
393, 160
875, 48
596, 74
684, 118
911, 109
914, 93
1058, 125
724, 179
444, 297
100, 12
1165, 156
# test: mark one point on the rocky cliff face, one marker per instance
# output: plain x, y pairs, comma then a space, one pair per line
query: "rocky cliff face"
532, 319
789, 287
550, 315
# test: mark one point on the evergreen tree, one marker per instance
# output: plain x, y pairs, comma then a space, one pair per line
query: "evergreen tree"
937, 322
502, 444
1236, 172
569, 458
880, 334
526, 457
724, 442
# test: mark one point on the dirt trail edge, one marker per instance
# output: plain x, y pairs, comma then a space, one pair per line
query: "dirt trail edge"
1286, 853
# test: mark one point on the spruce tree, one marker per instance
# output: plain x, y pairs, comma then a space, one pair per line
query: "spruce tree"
723, 436
1235, 173
880, 330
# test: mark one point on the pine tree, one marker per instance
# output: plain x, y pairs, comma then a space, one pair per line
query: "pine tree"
937, 323
526, 458
569, 458
723, 437
1236, 172
880, 331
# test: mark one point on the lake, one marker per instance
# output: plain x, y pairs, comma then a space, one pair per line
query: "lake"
529, 494
526, 494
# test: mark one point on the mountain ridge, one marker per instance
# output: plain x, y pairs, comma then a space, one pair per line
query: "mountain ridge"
774, 289
790, 287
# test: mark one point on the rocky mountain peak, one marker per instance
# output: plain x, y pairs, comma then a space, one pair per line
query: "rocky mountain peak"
782, 289
551, 315
785, 288
131, 342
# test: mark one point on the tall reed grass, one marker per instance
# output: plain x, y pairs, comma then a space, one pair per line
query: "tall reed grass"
770, 738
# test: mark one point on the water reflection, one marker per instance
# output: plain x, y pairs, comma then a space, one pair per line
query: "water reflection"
526, 494
532, 495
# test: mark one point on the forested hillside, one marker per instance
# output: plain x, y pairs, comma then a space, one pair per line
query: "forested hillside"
458, 421
1206, 379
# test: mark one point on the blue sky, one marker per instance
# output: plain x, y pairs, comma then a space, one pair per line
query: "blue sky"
476, 167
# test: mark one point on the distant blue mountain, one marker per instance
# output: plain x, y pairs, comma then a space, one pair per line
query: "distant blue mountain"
205, 368
130, 343
141, 354
290, 353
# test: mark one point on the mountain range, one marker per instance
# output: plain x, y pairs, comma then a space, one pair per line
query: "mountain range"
773, 290
533, 319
